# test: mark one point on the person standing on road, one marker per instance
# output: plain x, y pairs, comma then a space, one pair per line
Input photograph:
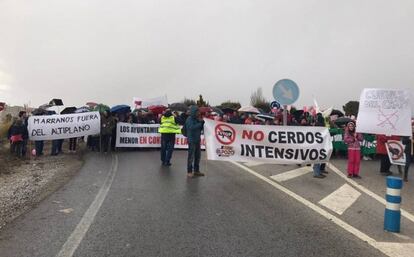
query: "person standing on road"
319, 168
382, 152
168, 128
107, 125
193, 126
23, 117
353, 140
407, 142
16, 135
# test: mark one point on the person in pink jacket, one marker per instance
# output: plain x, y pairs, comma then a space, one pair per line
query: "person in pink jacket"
353, 140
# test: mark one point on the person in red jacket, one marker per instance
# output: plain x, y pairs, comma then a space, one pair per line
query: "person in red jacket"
353, 140
382, 152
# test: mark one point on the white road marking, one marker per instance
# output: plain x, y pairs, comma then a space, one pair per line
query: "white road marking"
396, 249
399, 250
253, 164
67, 211
291, 174
404, 237
74, 240
404, 213
341, 199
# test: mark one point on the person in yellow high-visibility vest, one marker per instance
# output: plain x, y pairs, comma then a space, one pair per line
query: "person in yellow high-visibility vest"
168, 129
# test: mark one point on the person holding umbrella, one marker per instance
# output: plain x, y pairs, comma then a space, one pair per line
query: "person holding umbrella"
168, 129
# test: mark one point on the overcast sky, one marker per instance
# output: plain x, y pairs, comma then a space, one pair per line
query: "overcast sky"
109, 51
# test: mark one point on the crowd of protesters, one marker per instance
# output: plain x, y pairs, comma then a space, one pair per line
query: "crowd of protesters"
105, 142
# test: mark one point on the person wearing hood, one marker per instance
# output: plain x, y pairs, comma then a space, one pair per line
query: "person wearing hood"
16, 135
193, 126
353, 140
168, 128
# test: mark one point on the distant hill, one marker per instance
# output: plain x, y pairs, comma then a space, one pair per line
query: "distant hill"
12, 110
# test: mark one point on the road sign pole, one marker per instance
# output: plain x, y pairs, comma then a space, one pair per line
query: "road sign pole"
285, 92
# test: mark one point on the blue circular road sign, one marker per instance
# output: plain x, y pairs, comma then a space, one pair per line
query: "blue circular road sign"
285, 91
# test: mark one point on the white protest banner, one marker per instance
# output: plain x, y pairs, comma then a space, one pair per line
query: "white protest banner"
395, 150
384, 111
146, 135
138, 102
272, 144
51, 127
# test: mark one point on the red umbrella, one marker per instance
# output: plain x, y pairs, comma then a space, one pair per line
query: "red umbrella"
91, 104
157, 109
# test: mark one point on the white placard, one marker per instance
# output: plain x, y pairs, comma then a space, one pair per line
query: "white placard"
146, 135
138, 102
272, 144
384, 111
51, 127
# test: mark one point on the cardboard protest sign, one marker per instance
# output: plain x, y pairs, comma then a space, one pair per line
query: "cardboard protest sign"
384, 111
395, 150
272, 144
146, 135
51, 127
138, 102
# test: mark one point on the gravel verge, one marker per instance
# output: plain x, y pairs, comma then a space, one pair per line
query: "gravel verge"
24, 183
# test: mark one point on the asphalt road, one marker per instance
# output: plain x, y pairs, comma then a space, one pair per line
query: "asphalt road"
127, 204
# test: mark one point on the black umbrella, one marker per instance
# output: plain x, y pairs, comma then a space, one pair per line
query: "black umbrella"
56, 102
343, 121
217, 110
178, 107
69, 110
297, 114
39, 111
337, 112
227, 110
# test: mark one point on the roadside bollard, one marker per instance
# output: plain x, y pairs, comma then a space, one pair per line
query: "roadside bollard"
392, 218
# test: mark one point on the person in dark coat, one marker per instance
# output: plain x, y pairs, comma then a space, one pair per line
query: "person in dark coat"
24, 119
408, 143
235, 118
385, 164
16, 134
107, 127
39, 144
183, 117
319, 168
194, 125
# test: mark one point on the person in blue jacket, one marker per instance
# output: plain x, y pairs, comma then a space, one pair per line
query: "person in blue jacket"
194, 125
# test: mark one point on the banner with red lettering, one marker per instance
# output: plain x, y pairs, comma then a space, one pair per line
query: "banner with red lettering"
146, 135
272, 144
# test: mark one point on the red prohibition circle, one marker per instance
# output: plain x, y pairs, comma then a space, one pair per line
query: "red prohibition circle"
399, 146
225, 134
